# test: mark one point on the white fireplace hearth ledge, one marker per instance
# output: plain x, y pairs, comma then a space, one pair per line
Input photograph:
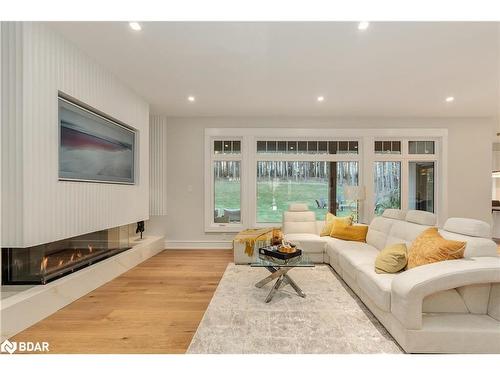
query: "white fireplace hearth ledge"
31, 304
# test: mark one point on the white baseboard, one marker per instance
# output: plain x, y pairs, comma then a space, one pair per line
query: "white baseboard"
210, 245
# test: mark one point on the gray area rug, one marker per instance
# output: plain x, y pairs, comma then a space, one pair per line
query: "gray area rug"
331, 319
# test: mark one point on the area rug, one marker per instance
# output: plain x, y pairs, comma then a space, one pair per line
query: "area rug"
331, 319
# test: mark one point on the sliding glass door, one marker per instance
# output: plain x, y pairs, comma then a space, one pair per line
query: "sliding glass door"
319, 184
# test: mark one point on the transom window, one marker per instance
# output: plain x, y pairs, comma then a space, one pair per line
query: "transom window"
388, 147
308, 147
421, 147
227, 147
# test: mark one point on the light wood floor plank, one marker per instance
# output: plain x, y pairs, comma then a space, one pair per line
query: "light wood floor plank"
154, 308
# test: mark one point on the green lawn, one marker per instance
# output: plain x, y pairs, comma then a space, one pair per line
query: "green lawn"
227, 196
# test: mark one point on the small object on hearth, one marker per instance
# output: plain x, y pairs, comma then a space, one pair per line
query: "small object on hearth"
140, 227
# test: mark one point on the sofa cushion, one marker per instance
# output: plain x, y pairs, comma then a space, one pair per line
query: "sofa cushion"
330, 221
431, 247
346, 231
421, 217
404, 232
299, 222
307, 242
469, 227
378, 231
355, 254
391, 259
376, 286
393, 213
331, 248
494, 302
475, 246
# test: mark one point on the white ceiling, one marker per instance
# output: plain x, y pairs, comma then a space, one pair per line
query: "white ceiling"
263, 69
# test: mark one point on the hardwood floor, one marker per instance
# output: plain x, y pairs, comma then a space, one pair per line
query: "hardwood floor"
154, 308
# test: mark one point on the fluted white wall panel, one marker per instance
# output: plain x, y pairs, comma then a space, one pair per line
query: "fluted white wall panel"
12, 131
54, 209
158, 165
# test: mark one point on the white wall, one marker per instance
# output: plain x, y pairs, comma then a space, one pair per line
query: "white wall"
469, 167
36, 207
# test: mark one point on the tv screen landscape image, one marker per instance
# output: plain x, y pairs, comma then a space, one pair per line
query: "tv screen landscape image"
93, 148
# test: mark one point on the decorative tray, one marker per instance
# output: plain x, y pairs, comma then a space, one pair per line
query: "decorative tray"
273, 252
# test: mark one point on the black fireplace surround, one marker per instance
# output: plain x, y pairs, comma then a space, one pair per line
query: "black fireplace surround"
44, 263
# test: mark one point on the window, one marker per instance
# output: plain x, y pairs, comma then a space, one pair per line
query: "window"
421, 186
227, 195
387, 147
346, 175
387, 185
226, 173
316, 183
280, 183
420, 147
251, 180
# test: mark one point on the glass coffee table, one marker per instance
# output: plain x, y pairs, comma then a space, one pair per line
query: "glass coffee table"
279, 271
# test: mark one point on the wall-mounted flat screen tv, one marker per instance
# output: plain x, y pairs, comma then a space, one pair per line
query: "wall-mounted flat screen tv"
94, 147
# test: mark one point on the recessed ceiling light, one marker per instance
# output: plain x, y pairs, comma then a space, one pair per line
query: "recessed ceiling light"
191, 98
320, 98
363, 25
449, 99
135, 26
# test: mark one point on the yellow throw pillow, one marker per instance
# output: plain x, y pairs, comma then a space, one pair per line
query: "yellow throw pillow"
392, 259
344, 231
330, 221
431, 247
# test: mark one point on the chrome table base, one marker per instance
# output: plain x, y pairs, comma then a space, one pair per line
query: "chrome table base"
279, 273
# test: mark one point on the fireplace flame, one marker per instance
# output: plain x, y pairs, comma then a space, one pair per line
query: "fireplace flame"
43, 265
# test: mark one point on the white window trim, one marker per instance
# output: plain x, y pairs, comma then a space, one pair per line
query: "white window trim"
366, 157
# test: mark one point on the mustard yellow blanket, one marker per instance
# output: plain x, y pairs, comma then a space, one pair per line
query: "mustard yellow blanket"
250, 236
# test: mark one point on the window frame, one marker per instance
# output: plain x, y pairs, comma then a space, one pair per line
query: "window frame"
248, 158
210, 224
405, 158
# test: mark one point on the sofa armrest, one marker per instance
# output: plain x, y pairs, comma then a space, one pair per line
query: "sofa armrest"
409, 289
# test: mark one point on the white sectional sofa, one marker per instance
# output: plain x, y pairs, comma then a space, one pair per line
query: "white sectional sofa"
446, 307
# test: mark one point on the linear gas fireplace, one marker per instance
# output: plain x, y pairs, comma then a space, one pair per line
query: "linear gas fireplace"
44, 263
